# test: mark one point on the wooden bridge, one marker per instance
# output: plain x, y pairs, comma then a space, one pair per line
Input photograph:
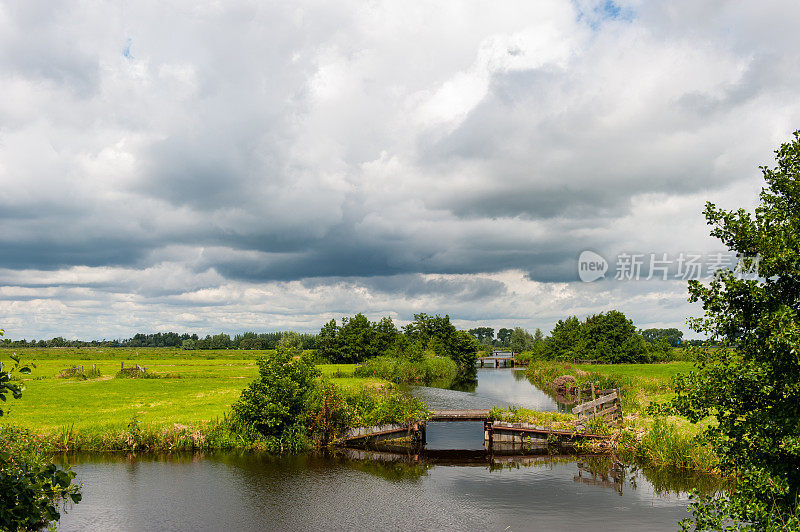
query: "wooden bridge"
508, 362
494, 431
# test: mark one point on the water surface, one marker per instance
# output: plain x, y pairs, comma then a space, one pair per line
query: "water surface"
231, 491
495, 387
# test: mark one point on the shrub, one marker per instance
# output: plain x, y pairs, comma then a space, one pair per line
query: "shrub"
277, 399
31, 487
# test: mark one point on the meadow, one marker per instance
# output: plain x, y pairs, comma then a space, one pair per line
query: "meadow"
192, 387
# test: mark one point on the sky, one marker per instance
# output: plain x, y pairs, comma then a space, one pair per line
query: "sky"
245, 165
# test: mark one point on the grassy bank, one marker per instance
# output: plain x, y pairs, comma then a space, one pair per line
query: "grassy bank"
184, 407
402, 370
660, 441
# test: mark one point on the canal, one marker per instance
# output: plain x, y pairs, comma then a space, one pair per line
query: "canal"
356, 490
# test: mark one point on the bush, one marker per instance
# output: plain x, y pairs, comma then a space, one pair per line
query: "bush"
279, 397
31, 487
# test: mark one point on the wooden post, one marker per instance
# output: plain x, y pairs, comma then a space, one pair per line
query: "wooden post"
593, 398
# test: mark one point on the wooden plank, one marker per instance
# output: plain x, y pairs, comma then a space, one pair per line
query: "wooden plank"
535, 429
375, 430
596, 402
459, 415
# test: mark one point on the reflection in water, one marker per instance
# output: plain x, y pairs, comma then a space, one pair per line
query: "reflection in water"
494, 387
240, 491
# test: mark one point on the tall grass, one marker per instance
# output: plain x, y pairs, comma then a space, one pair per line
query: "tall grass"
402, 370
666, 444
543, 373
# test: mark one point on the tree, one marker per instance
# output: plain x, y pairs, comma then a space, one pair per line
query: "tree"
188, 344
612, 337
356, 339
245, 343
7, 384
30, 486
463, 350
483, 334
385, 334
221, 341
521, 340
753, 386
504, 336
291, 340
565, 340
673, 336
327, 344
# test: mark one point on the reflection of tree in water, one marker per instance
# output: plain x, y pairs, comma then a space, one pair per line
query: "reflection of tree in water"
519, 375
392, 466
607, 472
393, 471
501, 463
674, 481
464, 382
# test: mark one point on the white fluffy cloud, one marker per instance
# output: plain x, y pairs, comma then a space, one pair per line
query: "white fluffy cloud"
228, 166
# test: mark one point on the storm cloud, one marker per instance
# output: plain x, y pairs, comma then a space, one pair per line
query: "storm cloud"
248, 165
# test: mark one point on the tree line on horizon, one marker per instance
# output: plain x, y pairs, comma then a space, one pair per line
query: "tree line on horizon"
517, 339
604, 337
248, 340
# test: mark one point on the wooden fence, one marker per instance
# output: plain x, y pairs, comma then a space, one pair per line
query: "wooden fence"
607, 405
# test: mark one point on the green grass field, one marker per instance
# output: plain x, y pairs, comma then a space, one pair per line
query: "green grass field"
201, 387
661, 373
651, 382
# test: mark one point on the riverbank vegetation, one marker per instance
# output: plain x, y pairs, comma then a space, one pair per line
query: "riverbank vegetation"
292, 409
664, 441
31, 486
608, 337
426, 370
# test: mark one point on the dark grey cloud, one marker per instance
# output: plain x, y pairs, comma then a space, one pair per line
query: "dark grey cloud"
177, 155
